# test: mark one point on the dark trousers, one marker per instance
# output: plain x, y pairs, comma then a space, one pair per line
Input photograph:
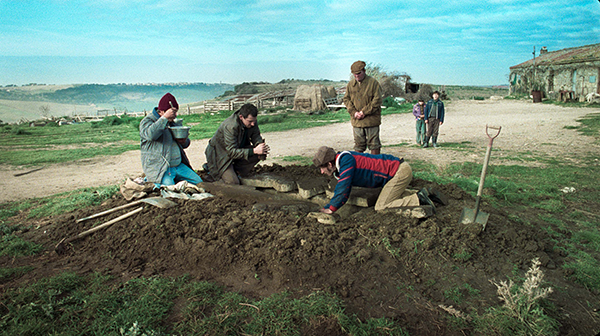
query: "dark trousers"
239, 167
433, 127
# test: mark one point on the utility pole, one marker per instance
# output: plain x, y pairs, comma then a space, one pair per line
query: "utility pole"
533, 81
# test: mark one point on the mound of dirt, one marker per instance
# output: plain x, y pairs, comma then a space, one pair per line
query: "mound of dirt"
381, 264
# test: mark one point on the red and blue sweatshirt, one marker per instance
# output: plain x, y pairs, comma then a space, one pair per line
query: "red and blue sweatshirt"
361, 170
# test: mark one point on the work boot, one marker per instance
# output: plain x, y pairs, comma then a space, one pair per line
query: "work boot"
426, 142
424, 198
437, 196
434, 141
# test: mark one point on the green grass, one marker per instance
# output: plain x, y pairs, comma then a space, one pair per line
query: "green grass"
12, 209
9, 273
70, 304
27, 146
458, 145
463, 256
517, 185
589, 124
298, 160
41, 145
59, 203
13, 245
526, 188
73, 200
93, 304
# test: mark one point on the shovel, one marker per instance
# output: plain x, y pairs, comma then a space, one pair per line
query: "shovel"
468, 215
156, 201
61, 247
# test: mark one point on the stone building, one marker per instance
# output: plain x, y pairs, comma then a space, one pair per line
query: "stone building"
571, 73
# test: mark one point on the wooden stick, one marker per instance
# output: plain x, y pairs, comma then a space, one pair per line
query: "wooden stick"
30, 171
109, 211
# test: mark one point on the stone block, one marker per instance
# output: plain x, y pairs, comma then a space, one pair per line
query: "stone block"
321, 199
278, 183
322, 217
421, 211
308, 188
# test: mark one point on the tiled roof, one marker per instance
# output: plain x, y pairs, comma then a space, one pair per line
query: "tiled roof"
565, 56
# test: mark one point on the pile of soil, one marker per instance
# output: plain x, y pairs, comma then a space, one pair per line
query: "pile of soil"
380, 264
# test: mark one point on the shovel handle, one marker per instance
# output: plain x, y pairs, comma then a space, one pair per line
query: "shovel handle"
101, 226
488, 153
109, 211
497, 128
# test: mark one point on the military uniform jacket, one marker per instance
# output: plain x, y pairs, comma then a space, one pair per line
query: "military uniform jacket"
365, 97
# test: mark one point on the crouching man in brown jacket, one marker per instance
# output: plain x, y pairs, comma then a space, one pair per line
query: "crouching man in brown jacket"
236, 147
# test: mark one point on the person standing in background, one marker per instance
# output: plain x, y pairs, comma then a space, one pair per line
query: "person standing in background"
419, 113
363, 101
434, 118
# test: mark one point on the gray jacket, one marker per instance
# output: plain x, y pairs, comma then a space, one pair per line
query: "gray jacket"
159, 148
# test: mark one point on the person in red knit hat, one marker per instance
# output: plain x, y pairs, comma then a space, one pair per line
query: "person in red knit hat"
163, 157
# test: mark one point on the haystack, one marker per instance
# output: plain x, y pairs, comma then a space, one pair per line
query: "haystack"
311, 98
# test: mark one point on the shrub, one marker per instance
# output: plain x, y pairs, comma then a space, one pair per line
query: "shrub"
390, 102
521, 313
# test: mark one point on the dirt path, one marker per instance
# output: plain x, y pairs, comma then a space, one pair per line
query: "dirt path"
527, 129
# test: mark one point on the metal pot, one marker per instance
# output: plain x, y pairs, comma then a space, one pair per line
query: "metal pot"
180, 132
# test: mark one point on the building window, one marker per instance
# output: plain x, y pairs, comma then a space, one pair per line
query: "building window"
592, 79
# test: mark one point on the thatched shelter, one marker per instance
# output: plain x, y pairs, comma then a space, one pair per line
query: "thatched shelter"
311, 98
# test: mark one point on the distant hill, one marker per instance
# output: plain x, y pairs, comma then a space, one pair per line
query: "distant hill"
33, 101
130, 97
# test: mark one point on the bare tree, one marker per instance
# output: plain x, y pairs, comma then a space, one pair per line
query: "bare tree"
393, 83
45, 111
425, 92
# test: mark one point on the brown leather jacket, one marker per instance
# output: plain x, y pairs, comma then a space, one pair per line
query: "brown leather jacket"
365, 97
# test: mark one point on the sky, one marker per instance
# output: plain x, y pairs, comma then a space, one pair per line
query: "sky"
467, 42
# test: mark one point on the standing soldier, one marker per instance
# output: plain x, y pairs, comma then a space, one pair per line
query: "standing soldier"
363, 101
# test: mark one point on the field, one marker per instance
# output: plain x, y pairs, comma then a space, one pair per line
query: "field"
249, 262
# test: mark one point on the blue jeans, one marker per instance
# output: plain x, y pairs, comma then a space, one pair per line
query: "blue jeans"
179, 173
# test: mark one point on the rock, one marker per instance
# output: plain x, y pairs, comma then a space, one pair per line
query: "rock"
320, 199
269, 181
347, 210
308, 189
421, 211
322, 218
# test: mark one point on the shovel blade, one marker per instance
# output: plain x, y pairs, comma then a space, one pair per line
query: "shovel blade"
159, 202
469, 216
